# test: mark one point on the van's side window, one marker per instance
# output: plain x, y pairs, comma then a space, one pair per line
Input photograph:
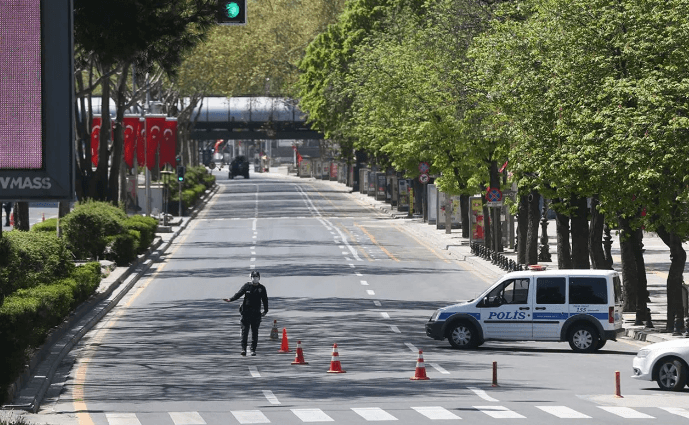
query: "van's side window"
588, 290
513, 291
550, 290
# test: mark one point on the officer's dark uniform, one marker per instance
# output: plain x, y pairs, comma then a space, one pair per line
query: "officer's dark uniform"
254, 295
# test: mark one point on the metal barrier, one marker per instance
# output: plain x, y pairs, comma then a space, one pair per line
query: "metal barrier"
496, 258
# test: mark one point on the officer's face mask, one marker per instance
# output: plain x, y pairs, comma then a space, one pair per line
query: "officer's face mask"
255, 280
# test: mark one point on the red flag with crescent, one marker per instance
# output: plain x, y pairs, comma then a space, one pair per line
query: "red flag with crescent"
95, 140
168, 144
140, 142
155, 125
217, 145
299, 158
131, 127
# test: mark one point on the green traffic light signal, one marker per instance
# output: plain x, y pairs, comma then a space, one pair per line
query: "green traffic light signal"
231, 12
231, 9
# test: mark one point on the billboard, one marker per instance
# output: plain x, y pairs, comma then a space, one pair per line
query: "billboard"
37, 109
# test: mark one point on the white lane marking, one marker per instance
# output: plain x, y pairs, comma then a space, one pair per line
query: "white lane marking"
352, 265
341, 246
436, 413
373, 414
376, 303
250, 417
439, 368
370, 292
626, 412
411, 347
254, 371
481, 393
677, 411
271, 397
347, 259
122, 419
363, 282
395, 329
253, 252
345, 252
187, 418
312, 415
356, 273
563, 412
498, 412
254, 236
385, 315
253, 258
253, 225
252, 266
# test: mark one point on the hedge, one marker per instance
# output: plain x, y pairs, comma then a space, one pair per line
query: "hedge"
27, 316
88, 226
49, 225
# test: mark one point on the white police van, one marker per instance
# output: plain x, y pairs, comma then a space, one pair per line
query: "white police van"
583, 307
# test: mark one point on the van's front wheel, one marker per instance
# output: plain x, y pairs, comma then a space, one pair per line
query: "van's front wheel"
463, 335
583, 339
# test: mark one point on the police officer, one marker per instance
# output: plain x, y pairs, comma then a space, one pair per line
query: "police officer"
254, 294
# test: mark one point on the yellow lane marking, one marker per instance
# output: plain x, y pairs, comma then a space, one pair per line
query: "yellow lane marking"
370, 236
79, 402
354, 241
420, 242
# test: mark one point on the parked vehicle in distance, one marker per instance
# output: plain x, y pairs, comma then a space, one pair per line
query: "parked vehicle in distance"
664, 362
582, 307
239, 167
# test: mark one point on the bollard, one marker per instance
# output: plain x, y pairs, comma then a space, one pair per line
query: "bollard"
495, 375
617, 385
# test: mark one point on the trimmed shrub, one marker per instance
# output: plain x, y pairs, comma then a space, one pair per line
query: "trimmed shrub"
50, 225
124, 247
32, 258
86, 279
146, 226
88, 226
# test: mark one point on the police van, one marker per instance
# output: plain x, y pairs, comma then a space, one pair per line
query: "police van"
583, 307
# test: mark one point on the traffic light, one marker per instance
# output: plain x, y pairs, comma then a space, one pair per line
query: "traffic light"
231, 12
180, 173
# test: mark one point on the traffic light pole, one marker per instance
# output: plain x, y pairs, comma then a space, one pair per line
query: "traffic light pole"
180, 199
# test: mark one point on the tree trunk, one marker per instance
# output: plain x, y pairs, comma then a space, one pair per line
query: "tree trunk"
678, 259
487, 226
522, 228
21, 211
496, 225
464, 210
596, 236
117, 158
62, 210
534, 214
580, 234
642, 283
629, 269
99, 183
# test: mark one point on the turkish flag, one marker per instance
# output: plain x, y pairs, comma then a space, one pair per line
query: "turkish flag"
168, 145
95, 140
131, 129
299, 158
140, 141
155, 125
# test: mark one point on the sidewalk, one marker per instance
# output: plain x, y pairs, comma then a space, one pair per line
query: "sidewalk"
656, 256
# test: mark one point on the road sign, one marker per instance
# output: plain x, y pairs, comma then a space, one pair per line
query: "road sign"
423, 178
493, 195
493, 204
424, 168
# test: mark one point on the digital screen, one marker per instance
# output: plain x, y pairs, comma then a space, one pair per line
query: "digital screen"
21, 120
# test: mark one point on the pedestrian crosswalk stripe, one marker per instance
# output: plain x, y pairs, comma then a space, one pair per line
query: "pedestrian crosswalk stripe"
498, 412
187, 418
312, 415
373, 414
395, 329
271, 397
254, 372
626, 412
439, 368
122, 419
677, 411
436, 412
563, 412
482, 393
250, 417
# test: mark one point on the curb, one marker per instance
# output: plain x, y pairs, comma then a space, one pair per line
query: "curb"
37, 378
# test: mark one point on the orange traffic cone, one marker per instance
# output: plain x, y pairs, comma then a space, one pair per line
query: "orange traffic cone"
284, 348
420, 374
299, 359
335, 366
274, 331
11, 219
43, 217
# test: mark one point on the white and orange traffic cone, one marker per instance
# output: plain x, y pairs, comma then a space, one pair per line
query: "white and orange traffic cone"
335, 366
299, 359
274, 332
420, 374
284, 347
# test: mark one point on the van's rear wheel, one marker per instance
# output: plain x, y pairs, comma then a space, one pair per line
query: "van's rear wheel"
583, 339
463, 335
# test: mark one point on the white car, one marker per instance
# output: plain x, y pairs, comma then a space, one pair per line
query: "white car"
664, 362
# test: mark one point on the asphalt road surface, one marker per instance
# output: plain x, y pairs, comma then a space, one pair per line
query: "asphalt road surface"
337, 272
